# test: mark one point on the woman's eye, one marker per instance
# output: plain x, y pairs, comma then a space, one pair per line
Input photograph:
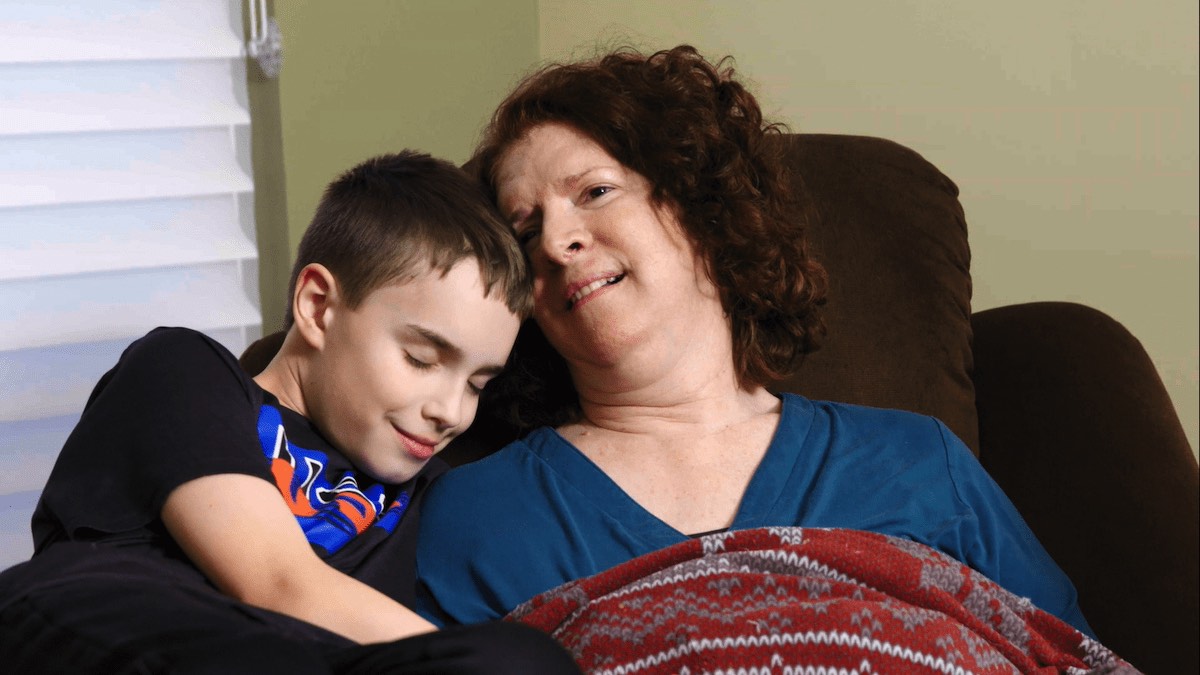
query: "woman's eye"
525, 236
598, 191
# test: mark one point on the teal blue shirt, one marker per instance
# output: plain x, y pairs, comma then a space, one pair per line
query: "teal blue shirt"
538, 513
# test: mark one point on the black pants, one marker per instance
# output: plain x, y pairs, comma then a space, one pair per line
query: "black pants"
64, 614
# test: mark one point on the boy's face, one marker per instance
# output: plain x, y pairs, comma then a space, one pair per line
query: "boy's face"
399, 376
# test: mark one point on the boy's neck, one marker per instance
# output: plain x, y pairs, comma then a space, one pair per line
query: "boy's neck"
282, 376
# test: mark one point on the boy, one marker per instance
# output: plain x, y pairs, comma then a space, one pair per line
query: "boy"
198, 520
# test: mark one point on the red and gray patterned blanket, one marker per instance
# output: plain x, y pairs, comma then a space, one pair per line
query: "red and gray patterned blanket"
795, 600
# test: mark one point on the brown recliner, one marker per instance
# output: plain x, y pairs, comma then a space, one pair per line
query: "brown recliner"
1062, 405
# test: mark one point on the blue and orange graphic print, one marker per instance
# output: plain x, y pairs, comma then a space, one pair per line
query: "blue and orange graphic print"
330, 515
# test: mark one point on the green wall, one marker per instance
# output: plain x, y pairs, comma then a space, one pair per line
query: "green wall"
371, 76
270, 191
1070, 127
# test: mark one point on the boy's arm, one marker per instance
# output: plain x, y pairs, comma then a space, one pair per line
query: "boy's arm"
239, 532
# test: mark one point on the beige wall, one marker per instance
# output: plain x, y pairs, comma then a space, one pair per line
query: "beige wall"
370, 76
1070, 127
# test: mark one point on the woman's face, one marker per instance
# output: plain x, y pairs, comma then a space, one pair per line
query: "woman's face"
612, 272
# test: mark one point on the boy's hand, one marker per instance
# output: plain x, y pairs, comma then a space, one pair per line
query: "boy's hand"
238, 531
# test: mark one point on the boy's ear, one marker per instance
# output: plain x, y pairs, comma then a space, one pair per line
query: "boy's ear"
312, 304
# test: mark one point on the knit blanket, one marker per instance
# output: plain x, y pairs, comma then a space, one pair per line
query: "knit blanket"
813, 601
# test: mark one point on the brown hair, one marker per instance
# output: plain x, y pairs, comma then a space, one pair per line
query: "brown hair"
699, 137
395, 216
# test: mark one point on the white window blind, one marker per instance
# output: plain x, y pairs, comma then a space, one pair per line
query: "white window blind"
126, 203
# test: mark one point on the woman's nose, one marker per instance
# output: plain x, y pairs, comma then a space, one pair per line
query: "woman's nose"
563, 236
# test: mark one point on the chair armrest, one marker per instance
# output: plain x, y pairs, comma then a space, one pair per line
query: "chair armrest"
1076, 427
260, 352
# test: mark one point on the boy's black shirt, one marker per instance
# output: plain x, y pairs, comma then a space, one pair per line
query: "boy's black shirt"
177, 407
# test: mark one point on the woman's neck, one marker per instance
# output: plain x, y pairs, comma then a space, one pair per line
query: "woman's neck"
693, 396
688, 461
667, 420
675, 377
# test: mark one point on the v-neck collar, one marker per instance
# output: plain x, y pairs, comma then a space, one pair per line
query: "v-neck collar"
762, 493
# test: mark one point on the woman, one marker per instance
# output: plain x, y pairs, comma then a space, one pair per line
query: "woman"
673, 286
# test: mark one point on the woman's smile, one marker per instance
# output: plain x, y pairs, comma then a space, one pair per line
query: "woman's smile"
589, 291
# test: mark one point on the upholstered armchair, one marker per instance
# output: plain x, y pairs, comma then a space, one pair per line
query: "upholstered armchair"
1062, 405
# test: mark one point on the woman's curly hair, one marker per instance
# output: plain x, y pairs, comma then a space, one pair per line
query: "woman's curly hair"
698, 136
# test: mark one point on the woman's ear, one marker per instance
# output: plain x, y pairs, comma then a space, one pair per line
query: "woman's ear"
312, 304
670, 216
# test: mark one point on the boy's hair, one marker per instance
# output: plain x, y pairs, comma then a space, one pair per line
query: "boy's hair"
396, 216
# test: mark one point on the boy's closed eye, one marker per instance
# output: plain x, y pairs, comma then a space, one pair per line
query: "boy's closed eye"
427, 350
419, 364
477, 385
424, 348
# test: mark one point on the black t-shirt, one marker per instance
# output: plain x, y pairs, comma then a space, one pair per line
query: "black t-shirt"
177, 407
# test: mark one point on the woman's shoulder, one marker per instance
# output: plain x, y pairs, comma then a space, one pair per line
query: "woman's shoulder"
855, 420
504, 472
507, 458
483, 502
859, 413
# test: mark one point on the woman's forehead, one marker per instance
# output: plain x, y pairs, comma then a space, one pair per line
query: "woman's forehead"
551, 153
